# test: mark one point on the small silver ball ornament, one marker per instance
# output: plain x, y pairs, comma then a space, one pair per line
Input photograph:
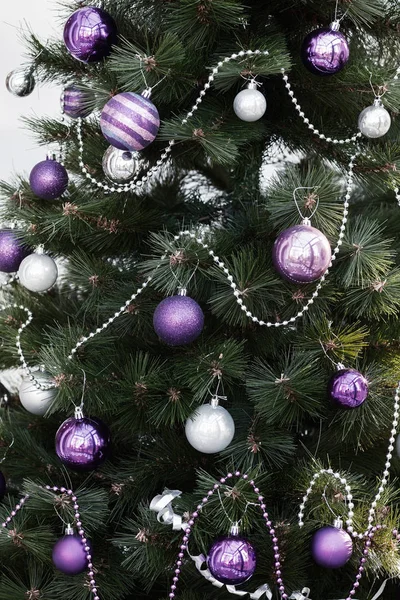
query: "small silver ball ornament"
374, 121
210, 428
120, 166
39, 273
20, 82
34, 400
250, 104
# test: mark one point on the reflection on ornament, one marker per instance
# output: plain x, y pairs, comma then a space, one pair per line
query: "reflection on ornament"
34, 400
210, 428
38, 272
20, 82
89, 34
331, 547
120, 165
374, 121
250, 104
232, 560
325, 51
348, 388
83, 444
76, 102
178, 320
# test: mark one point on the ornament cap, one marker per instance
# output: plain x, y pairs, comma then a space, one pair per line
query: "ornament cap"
69, 530
214, 401
78, 413
252, 85
338, 523
335, 25
235, 529
340, 366
306, 222
182, 291
147, 93
378, 101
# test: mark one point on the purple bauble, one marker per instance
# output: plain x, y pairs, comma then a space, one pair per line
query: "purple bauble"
232, 560
12, 251
331, 547
77, 103
325, 51
83, 444
178, 320
2, 486
48, 179
129, 121
89, 34
301, 254
69, 555
348, 388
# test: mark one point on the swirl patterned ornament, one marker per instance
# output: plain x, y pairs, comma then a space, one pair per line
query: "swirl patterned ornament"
348, 388
89, 34
12, 252
83, 444
232, 560
325, 51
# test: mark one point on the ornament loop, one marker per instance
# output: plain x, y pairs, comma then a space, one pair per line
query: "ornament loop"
306, 220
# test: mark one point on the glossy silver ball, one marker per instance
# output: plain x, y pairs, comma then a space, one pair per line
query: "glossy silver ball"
250, 105
374, 121
120, 165
34, 400
210, 429
38, 272
20, 82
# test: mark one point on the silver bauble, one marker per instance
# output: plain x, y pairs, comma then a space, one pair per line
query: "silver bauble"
250, 104
210, 429
38, 272
374, 121
20, 82
120, 165
34, 400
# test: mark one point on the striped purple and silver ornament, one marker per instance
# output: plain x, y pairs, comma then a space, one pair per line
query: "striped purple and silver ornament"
76, 102
129, 121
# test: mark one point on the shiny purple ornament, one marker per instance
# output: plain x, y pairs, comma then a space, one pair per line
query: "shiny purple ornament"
89, 34
232, 560
325, 51
301, 254
48, 179
178, 320
2, 486
12, 251
348, 388
69, 555
83, 444
331, 547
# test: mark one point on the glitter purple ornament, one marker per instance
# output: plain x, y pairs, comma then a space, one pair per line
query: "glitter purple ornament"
48, 179
89, 34
83, 444
129, 121
348, 388
232, 560
69, 555
178, 320
76, 102
2, 486
12, 251
331, 547
325, 51
301, 254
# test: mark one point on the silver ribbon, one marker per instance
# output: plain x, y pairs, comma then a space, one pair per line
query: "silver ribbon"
200, 562
303, 595
162, 505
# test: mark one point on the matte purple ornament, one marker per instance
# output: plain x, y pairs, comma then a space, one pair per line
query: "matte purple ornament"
2, 486
301, 254
12, 251
325, 51
89, 34
232, 560
178, 320
331, 547
348, 388
77, 103
69, 555
48, 179
83, 444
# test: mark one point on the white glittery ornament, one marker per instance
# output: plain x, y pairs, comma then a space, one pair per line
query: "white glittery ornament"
20, 82
374, 121
120, 165
250, 104
38, 272
34, 400
210, 428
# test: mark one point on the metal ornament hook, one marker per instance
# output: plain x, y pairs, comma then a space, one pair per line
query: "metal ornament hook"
306, 220
182, 289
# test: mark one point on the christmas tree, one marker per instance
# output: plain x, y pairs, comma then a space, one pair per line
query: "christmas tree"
211, 399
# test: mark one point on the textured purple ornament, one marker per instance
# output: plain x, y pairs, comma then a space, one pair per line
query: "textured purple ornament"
83, 444
178, 320
89, 34
129, 121
301, 254
232, 560
69, 555
77, 103
2, 486
48, 179
12, 251
331, 547
348, 388
325, 51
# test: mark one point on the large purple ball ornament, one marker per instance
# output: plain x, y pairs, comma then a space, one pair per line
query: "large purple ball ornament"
178, 320
325, 51
12, 251
69, 555
89, 34
301, 254
331, 547
348, 388
77, 103
2, 486
83, 444
129, 121
48, 179
232, 560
